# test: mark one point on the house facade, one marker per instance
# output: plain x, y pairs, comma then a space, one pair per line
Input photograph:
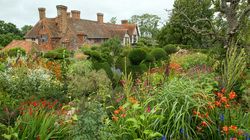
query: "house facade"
69, 30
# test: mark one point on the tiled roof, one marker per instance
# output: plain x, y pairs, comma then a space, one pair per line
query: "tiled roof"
92, 29
26, 45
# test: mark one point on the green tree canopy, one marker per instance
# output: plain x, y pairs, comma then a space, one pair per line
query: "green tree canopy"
147, 23
176, 31
25, 29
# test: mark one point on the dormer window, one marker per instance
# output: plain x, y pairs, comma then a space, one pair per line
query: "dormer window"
44, 38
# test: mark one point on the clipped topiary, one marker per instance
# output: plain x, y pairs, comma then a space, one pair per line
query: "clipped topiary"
170, 48
94, 55
159, 54
58, 53
105, 66
136, 56
14, 52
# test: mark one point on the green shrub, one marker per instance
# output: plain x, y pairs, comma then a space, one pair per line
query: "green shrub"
94, 55
105, 66
137, 70
58, 53
170, 48
90, 124
114, 46
137, 55
22, 83
188, 61
16, 51
159, 54
120, 63
187, 47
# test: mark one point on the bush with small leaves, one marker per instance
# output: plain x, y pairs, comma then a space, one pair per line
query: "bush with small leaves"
137, 55
16, 51
170, 48
159, 54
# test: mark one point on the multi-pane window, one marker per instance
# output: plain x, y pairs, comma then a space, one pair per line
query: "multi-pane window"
44, 38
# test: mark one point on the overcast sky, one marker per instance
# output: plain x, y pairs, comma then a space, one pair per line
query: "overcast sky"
25, 12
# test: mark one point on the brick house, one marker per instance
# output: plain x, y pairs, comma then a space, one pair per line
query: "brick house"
69, 30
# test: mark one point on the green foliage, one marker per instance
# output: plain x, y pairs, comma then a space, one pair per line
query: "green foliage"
146, 42
137, 55
40, 122
171, 48
122, 63
25, 29
81, 74
5, 39
190, 60
184, 15
233, 66
159, 54
59, 53
8, 32
105, 66
94, 55
22, 83
90, 124
114, 46
14, 52
147, 23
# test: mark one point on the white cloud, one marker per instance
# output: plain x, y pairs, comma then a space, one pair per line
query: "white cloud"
24, 12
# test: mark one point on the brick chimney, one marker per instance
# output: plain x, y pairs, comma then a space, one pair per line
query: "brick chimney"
42, 13
62, 17
75, 14
100, 18
68, 14
124, 21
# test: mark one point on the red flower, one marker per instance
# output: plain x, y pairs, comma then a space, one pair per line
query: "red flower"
123, 115
220, 95
34, 103
223, 90
232, 95
204, 124
233, 127
227, 106
223, 99
225, 129
116, 112
30, 111
217, 103
240, 132
115, 118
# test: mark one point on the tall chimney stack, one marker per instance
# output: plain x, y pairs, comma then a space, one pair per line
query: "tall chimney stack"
124, 21
42, 13
100, 18
75, 14
62, 17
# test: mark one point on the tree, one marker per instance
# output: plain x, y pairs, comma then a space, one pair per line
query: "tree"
113, 20
147, 23
26, 28
176, 31
9, 28
8, 32
232, 16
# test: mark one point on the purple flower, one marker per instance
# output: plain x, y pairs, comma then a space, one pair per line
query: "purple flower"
163, 137
181, 130
222, 117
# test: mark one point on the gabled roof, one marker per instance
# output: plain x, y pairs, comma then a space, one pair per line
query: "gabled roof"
92, 29
28, 46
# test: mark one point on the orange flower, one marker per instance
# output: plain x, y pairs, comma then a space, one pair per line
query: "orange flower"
115, 118
233, 138
227, 106
233, 127
225, 129
223, 90
223, 99
116, 112
217, 103
240, 132
232, 95
121, 108
204, 124
219, 94
123, 115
